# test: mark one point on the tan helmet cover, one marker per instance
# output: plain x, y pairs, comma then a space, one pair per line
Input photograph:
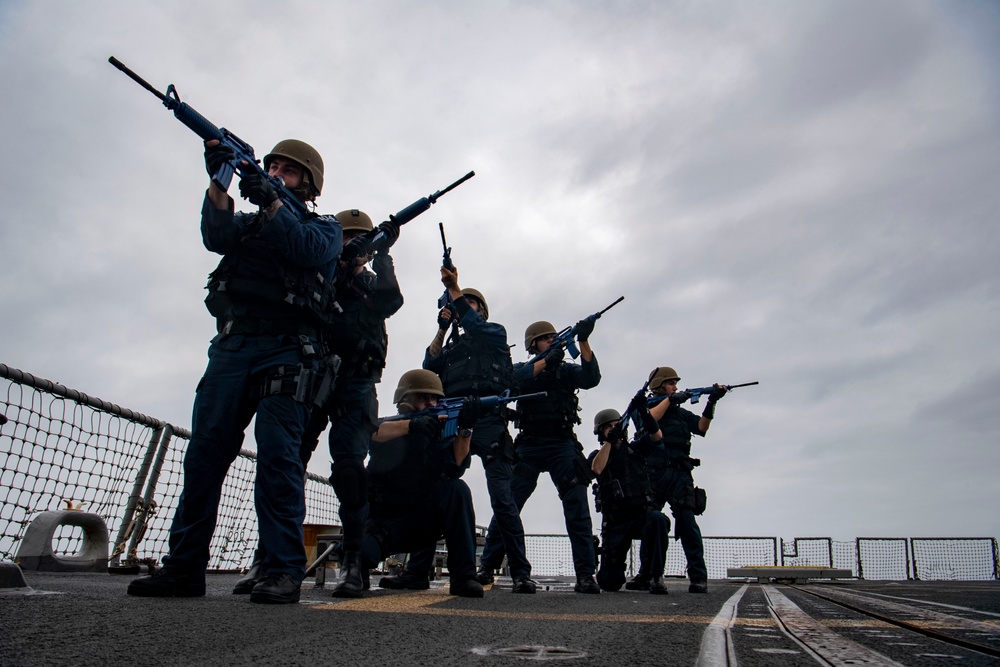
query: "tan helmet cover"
476, 294
660, 375
536, 329
304, 154
418, 381
354, 220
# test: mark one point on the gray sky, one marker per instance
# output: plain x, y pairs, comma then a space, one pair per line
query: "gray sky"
800, 193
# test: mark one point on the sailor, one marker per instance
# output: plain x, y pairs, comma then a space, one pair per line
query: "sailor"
270, 295
415, 489
624, 498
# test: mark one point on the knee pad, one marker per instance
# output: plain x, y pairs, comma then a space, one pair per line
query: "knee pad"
350, 483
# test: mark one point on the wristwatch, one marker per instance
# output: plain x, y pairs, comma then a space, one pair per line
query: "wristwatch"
465, 432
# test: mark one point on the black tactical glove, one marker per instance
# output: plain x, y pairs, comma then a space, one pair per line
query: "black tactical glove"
640, 408
391, 232
255, 188
554, 355
718, 391
638, 404
583, 330
354, 249
679, 397
616, 433
428, 428
216, 156
472, 410
445, 322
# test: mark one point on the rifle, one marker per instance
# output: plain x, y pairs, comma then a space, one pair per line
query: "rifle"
565, 337
445, 299
377, 239
630, 416
242, 151
450, 407
694, 394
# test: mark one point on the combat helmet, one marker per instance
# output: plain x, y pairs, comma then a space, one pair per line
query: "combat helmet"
354, 220
605, 417
536, 330
417, 381
476, 294
307, 156
660, 375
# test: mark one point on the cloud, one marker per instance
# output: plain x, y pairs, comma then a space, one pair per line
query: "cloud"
800, 194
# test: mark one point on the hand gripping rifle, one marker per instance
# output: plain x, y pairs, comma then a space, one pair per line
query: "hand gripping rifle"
204, 128
565, 337
450, 407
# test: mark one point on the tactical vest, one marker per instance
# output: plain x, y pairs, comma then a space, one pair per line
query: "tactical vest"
402, 474
252, 283
553, 415
472, 368
676, 433
357, 333
623, 483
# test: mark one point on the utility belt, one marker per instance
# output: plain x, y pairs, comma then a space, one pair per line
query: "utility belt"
680, 462
282, 326
303, 384
549, 431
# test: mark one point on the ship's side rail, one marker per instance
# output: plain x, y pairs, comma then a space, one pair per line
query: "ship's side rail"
63, 449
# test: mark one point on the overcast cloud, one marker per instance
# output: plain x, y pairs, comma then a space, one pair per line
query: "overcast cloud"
800, 193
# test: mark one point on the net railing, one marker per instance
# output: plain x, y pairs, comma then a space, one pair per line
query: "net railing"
63, 449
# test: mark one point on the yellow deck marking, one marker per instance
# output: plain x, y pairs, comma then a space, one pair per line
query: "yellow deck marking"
429, 602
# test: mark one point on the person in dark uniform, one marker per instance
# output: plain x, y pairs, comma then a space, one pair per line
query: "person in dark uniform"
670, 469
270, 295
416, 495
358, 337
624, 498
546, 443
475, 361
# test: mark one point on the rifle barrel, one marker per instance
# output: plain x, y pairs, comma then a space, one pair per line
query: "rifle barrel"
138, 79
434, 197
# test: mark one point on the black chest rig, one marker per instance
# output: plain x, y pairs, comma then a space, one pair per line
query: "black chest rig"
553, 415
474, 369
676, 434
623, 483
402, 473
357, 332
251, 283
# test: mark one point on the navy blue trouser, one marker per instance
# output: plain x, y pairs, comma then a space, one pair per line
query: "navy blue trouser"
675, 484
618, 529
227, 397
401, 530
351, 410
560, 458
489, 441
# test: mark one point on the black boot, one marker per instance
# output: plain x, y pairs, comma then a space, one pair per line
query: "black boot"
351, 584
408, 580
585, 584
169, 583
639, 583
485, 575
466, 588
276, 588
250, 579
699, 586
657, 587
524, 585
